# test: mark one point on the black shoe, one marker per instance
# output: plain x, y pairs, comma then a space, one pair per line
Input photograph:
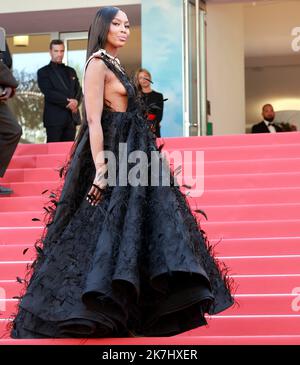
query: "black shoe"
5, 191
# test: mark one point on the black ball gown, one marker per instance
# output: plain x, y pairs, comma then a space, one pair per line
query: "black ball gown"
138, 263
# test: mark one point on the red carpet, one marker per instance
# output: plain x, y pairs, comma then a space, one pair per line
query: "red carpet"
252, 200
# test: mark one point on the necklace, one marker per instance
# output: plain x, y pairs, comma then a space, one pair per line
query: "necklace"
115, 61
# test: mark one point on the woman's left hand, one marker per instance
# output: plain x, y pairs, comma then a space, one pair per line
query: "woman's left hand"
95, 194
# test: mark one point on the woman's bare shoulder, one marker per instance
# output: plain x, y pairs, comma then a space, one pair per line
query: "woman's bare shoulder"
96, 65
95, 73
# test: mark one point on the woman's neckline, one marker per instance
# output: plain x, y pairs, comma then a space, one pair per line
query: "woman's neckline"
104, 51
113, 60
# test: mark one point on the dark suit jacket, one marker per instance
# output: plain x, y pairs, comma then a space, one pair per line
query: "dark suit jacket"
6, 77
262, 128
154, 101
6, 56
56, 94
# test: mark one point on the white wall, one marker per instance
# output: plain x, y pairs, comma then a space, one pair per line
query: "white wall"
268, 27
36, 5
272, 64
226, 68
277, 85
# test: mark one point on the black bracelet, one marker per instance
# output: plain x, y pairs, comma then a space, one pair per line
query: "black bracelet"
98, 188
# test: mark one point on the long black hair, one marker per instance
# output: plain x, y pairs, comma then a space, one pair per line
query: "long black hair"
99, 28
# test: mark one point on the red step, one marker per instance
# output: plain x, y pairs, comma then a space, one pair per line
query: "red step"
11, 251
31, 174
43, 148
264, 305
266, 246
196, 198
21, 219
12, 270
204, 196
231, 140
249, 326
19, 235
173, 340
14, 252
215, 231
253, 212
211, 182
245, 304
247, 152
31, 188
210, 155
251, 229
240, 181
242, 265
263, 139
27, 203
5, 333
234, 326
214, 213
7, 306
218, 152
249, 265
188, 166
287, 165
32, 161
266, 284
245, 284
260, 180
243, 196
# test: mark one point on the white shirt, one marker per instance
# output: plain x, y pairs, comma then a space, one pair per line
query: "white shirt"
270, 127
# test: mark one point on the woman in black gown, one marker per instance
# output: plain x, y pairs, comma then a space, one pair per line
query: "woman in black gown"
117, 260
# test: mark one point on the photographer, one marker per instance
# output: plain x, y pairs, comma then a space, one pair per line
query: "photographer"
10, 130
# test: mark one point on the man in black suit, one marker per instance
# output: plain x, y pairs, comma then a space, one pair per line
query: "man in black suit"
10, 130
267, 125
60, 86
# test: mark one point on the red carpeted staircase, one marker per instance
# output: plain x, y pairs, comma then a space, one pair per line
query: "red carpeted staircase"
252, 201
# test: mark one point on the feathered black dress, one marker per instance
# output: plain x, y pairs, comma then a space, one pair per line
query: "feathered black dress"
136, 263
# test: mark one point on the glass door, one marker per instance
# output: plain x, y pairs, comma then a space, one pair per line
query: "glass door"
195, 68
75, 50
